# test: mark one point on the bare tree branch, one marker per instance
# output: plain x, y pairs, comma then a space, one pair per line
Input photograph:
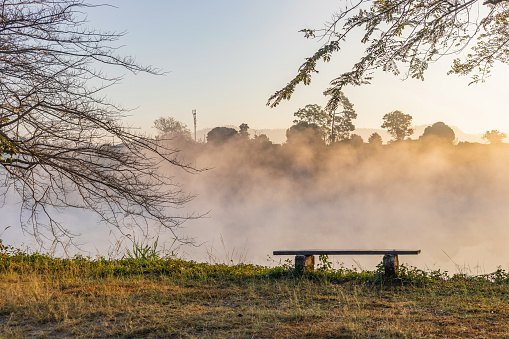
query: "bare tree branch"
61, 144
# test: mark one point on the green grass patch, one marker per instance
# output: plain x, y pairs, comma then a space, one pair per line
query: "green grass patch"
154, 296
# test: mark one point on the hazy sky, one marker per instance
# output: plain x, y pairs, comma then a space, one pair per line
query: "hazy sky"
224, 58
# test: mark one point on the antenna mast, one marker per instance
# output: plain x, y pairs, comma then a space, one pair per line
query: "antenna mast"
194, 117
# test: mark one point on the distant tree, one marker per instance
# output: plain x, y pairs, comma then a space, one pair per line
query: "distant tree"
243, 131
262, 138
494, 136
375, 139
169, 128
314, 114
304, 133
333, 125
398, 125
342, 123
438, 132
220, 135
261, 142
356, 140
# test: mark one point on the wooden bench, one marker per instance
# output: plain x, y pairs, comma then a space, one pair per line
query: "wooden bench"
305, 260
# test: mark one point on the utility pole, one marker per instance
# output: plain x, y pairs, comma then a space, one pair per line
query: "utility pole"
194, 118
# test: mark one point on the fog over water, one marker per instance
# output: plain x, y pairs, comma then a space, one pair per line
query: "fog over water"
452, 202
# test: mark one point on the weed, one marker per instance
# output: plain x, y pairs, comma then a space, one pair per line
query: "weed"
324, 264
143, 252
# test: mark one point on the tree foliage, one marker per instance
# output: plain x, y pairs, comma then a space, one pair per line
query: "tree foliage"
398, 124
262, 139
409, 35
375, 139
62, 145
220, 135
169, 128
356, 140
315, 115
342, 123
304, 133
494, 136
438, 132
244, 131
333, 125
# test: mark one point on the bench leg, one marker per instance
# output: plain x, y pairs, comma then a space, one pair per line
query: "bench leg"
391, 264
305, 262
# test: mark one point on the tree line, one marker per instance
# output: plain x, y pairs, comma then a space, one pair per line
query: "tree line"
314, 125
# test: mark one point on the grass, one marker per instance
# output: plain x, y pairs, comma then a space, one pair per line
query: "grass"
158, 297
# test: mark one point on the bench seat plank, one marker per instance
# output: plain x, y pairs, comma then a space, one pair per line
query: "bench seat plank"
347, 252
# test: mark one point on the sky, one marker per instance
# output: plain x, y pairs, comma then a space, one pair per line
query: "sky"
225, 58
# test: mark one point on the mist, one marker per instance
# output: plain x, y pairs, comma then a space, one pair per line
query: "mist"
449, 201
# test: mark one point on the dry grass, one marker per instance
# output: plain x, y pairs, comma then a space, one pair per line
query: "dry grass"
63, 302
